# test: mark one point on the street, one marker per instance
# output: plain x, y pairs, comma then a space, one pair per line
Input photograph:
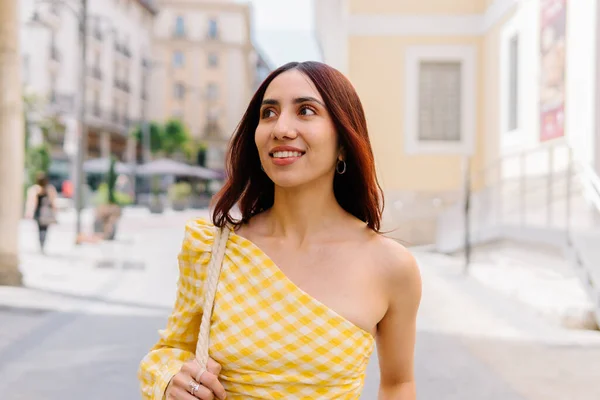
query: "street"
79, 328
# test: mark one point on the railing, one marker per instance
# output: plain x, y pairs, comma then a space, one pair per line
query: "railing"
545, 194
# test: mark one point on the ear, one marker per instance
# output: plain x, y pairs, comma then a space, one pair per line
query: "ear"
341, 154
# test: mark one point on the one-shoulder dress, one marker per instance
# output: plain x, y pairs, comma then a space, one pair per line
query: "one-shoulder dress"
272, 339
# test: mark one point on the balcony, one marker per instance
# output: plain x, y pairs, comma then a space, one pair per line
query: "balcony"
123, 121
123, 50
62, 102
122, 85
179, 34
55, 54
96, 111
95, 72
98, 34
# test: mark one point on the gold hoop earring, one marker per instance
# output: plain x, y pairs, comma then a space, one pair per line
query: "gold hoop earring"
343, 167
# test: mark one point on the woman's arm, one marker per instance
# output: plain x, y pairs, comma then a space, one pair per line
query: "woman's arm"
397, 330
52, 195
177, 343
31, 202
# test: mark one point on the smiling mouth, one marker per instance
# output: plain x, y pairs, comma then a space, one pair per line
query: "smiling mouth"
286, 154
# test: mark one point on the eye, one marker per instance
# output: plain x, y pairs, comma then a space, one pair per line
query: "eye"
267, 113
306, 111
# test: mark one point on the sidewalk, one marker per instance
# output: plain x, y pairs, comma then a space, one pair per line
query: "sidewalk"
130, 273
539, 279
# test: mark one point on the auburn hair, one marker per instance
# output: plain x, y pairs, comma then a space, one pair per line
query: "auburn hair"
250, 189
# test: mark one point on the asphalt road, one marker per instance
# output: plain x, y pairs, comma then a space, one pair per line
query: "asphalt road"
69, 356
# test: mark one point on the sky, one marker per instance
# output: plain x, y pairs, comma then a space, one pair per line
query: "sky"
284, 30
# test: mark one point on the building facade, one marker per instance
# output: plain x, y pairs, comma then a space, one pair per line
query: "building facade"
450, 87
204, 69
118, 51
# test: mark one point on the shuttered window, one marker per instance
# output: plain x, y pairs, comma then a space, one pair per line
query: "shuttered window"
439, 101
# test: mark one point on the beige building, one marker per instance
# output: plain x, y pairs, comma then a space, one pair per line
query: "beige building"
205, 69
447, 84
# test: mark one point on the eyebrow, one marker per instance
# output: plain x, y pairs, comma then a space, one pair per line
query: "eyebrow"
297, 100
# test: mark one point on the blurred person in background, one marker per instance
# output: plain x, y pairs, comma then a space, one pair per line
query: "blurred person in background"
308, 284
41, 206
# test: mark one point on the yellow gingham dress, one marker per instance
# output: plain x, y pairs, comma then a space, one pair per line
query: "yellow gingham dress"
273, 340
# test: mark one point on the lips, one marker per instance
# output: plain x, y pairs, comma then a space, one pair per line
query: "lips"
285, 155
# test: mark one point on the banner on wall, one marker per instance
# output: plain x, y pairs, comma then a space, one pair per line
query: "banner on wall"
553, 60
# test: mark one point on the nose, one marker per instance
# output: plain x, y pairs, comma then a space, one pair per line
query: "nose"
284, 128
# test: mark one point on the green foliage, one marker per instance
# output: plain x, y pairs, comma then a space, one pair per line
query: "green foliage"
102, 196
175, 137
156, 136
168, 139
111, 181
155, 185
37, 160
180, 191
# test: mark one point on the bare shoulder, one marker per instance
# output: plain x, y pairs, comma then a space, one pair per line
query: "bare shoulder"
397, 265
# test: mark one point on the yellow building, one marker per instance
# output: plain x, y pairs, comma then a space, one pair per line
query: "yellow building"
452, 83
204, 72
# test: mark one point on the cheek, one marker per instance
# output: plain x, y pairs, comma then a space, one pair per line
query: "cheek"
261, 137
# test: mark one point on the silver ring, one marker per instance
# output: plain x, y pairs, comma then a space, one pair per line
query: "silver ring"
194, 386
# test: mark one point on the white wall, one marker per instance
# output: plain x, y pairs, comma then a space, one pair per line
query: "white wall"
580, 83
331, 18
581, 77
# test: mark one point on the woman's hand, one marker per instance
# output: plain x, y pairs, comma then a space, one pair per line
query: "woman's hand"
182, 386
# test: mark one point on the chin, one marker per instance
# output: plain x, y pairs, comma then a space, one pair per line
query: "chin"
289, 180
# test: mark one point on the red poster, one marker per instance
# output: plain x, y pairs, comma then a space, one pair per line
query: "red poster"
552, 88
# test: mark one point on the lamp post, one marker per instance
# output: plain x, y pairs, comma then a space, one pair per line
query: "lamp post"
81, 17
82, 136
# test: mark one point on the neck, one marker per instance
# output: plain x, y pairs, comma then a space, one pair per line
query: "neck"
301, 212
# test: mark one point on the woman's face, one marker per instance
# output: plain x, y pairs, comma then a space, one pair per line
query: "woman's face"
295, 137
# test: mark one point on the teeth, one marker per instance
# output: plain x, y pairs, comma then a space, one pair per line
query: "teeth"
286, 154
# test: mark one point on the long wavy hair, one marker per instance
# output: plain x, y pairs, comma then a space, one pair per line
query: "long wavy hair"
357, 190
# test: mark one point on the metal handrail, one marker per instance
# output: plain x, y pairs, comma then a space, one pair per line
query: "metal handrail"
591, 181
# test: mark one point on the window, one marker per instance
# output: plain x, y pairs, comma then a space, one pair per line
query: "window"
55, 9
513, 84
179, 91
212, 115
212, 91
212, 28
440, 93
179, 26
439, 101
96, 104
213, 60
178, 59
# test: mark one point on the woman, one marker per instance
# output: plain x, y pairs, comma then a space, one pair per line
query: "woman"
308, 285
41, 206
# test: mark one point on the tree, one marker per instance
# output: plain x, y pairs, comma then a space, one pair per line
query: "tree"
175, 137
37, 160
156, 136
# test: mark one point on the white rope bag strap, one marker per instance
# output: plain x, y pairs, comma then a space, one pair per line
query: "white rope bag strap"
210, 289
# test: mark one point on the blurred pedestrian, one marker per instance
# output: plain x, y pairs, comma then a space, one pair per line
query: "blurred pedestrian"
41, 206
308, 285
